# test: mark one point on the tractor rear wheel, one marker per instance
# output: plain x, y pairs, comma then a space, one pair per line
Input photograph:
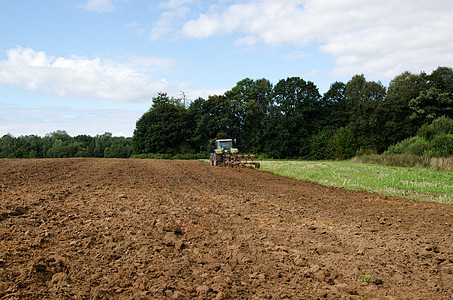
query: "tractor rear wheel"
217, 159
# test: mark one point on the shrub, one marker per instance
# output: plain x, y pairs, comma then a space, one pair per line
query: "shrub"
417, 146
441, 145
442, 125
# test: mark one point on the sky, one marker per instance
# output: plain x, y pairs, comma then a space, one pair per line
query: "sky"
93, 66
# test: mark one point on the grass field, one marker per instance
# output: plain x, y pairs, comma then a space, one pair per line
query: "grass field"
412, 183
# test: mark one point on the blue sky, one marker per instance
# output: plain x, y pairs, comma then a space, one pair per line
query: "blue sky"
93, 66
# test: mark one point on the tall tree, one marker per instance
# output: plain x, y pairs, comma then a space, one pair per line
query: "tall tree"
397, 114
250, 102
436, 100
298, 101
216, 121
163, 129
333, 107
363, 99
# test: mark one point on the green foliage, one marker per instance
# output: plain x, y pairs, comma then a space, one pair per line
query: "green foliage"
442, 125
436, 99
321, 144
333, 144
433, 140
397, 123
431, 104
60, 144
293, 118
365, 104
441, 145
58, 150
343, 144
119, 148
163, 129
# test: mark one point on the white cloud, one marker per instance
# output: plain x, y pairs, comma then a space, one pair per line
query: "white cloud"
166, 23
81, 78
379, 38
92, 79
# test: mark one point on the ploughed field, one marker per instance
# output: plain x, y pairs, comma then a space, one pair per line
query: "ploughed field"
157, 229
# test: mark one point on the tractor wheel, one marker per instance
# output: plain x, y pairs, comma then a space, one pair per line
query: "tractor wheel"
217, 159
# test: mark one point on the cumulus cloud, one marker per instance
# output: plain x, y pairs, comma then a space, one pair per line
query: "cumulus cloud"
82, 78
165, 25
380, 38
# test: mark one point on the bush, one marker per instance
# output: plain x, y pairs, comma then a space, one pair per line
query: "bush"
442, 125
439, 126
441, 145
400, 147
417, 146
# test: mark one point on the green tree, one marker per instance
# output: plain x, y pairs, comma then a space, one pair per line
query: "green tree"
195, 114
120, 148
397, 114
299, 102
215, 120
250, 101
343, 144
58, 150
430, 105
436, 99
363, 102
163, 129
7, 146
99, 143
320, 144
278, 141
442, 80
333, 107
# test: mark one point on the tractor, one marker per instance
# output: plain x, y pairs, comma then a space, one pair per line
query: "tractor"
225, 154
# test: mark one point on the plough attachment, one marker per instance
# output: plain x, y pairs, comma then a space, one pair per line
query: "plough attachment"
241, 160
233, 160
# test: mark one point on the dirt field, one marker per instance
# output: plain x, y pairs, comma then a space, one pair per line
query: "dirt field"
152, 229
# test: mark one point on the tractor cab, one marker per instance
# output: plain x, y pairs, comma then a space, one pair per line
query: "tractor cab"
225, 146
224, 143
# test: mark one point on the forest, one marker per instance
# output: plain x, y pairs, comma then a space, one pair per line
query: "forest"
290, 119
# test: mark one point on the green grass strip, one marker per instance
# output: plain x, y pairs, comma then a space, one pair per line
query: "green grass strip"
415, 183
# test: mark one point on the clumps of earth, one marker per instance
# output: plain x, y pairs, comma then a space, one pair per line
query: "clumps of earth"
158, 229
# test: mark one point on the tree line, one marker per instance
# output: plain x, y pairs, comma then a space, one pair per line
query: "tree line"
293, 120
60, 144
290, 119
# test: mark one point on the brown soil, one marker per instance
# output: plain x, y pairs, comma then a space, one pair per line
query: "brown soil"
154, 229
